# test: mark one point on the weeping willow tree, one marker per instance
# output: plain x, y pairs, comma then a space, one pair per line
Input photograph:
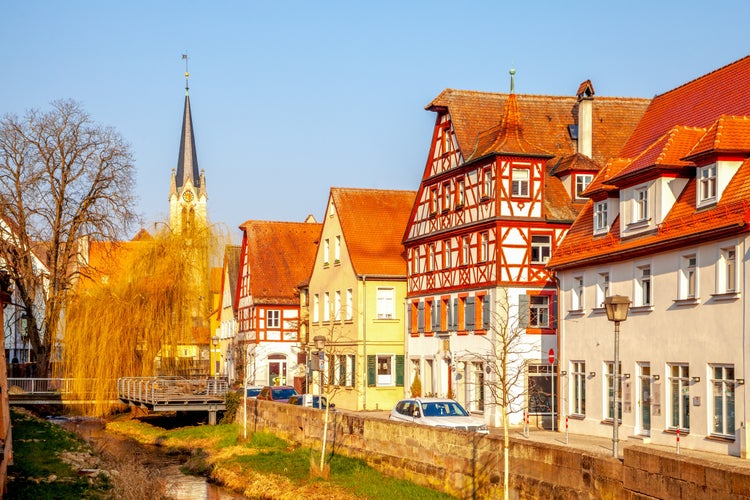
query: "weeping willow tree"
141, 307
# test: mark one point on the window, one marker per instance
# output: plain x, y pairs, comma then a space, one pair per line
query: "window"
541, 248
337, 305
727, 271
640, 206
431, 258
486, 313
539, 311
688, 277
349, 304
465, 250
326, 306
679, 397
460, 193
602, 289
485, 248
578, 388
385, 369
707, 184
723, 400
610, 392
582, 182
349, 378
447, 254
316, 308
415, 261
576, 294
487, 182
446, 205
643, 286
274, 318
519, 186
386, 303
601, 220
337, 250
326, 251
434, 206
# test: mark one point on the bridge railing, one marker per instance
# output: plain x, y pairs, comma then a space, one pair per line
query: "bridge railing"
40, 385
163, 390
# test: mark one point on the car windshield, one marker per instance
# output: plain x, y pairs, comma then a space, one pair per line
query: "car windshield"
283, 393
443, 409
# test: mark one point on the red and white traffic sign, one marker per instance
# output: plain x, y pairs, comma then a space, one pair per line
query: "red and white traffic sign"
551, 356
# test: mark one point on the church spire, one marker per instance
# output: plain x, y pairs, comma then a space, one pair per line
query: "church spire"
187, 161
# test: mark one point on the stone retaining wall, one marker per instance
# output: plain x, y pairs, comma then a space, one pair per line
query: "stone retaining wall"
469, 465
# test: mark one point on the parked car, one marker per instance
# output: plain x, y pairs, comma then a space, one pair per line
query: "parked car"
437, 412
278, 393
252, 392
311, 401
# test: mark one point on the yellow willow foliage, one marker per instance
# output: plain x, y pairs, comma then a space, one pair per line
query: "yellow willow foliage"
144, 299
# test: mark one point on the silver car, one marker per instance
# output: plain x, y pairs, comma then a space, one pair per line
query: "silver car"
437, 412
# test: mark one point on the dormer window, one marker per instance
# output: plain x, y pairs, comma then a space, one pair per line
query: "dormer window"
582, 182
640, 205
707, 184
601, 219
520, 182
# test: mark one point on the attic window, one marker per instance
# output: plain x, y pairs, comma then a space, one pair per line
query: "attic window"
582, 182
573, 131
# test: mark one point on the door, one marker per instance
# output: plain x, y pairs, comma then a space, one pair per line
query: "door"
644, 399
276, 370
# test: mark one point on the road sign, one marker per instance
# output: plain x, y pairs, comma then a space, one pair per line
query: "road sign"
551, 356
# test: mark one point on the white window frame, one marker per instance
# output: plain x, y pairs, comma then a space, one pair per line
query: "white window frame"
582, 182
447, 261
337, 249
385, 370
602, 289
578, 387
540, 250
486, 182
601, 216
326, 306
576, 294
316, 308
644, 289
326, 251
349, 304
386, 303
723, 400
727, 278
641, 204
465, 250
539, 311
679, 397
273, 318
460, 192
707, 184
337, 305
485, 246
609, 381
688, 278
519, 183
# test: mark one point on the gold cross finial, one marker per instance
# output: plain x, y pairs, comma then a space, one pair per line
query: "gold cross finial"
187, 74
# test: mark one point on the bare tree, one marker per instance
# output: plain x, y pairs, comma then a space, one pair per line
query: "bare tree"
62, 178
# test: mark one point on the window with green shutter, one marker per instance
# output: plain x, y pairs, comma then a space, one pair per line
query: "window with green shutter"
469, 314
371, 370
486, 312
523, 311
400, 370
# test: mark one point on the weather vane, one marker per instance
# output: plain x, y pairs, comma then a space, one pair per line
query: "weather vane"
187, 74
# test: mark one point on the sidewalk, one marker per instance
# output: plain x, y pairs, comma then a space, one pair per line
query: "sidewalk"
603, 445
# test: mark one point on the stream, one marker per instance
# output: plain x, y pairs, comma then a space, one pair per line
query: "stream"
179, 486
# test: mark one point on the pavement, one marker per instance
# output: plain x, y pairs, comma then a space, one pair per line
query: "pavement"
593, 444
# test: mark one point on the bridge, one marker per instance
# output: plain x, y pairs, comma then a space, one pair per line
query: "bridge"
157, 394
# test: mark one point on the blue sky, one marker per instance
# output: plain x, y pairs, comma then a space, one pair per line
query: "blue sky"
290, 98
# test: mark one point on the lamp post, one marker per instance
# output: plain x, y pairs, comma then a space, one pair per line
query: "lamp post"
617, 307
215, 343
320, 344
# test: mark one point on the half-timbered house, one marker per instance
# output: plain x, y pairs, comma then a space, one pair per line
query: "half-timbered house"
667, 225
501, 186
275, 257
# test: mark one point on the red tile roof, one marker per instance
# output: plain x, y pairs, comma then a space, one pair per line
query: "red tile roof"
728, 134
373, 223
280, 256
575, 163
545, 119
697, 103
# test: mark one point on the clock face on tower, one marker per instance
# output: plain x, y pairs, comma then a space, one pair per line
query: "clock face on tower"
187, 196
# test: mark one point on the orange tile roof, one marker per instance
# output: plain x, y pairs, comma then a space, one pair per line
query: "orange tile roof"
545, 119
728, 134
280, 256
575, 163
373, 222
697, 103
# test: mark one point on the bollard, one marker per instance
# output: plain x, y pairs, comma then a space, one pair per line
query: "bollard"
678, 441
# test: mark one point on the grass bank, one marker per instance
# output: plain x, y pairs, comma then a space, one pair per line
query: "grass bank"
268, 467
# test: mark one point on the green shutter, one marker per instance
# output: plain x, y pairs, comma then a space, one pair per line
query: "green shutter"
469, 313
420, 317
486, 312
371, 371
399, 370
523, 311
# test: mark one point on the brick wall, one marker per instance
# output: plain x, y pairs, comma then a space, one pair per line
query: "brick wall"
469, 465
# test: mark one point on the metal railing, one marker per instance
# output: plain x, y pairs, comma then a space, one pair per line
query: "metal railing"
40, 385
170, 390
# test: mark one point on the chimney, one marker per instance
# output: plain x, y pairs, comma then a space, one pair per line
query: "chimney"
585, 96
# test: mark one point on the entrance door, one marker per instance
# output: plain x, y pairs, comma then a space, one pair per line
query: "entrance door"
644, 399
276, 369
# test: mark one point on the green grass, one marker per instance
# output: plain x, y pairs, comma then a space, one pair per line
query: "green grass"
37, 445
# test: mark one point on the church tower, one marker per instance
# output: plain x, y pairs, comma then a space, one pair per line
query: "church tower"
187, 191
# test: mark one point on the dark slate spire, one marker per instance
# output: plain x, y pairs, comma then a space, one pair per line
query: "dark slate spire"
187, 162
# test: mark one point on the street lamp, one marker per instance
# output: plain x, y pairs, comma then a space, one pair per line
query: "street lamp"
617, 307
